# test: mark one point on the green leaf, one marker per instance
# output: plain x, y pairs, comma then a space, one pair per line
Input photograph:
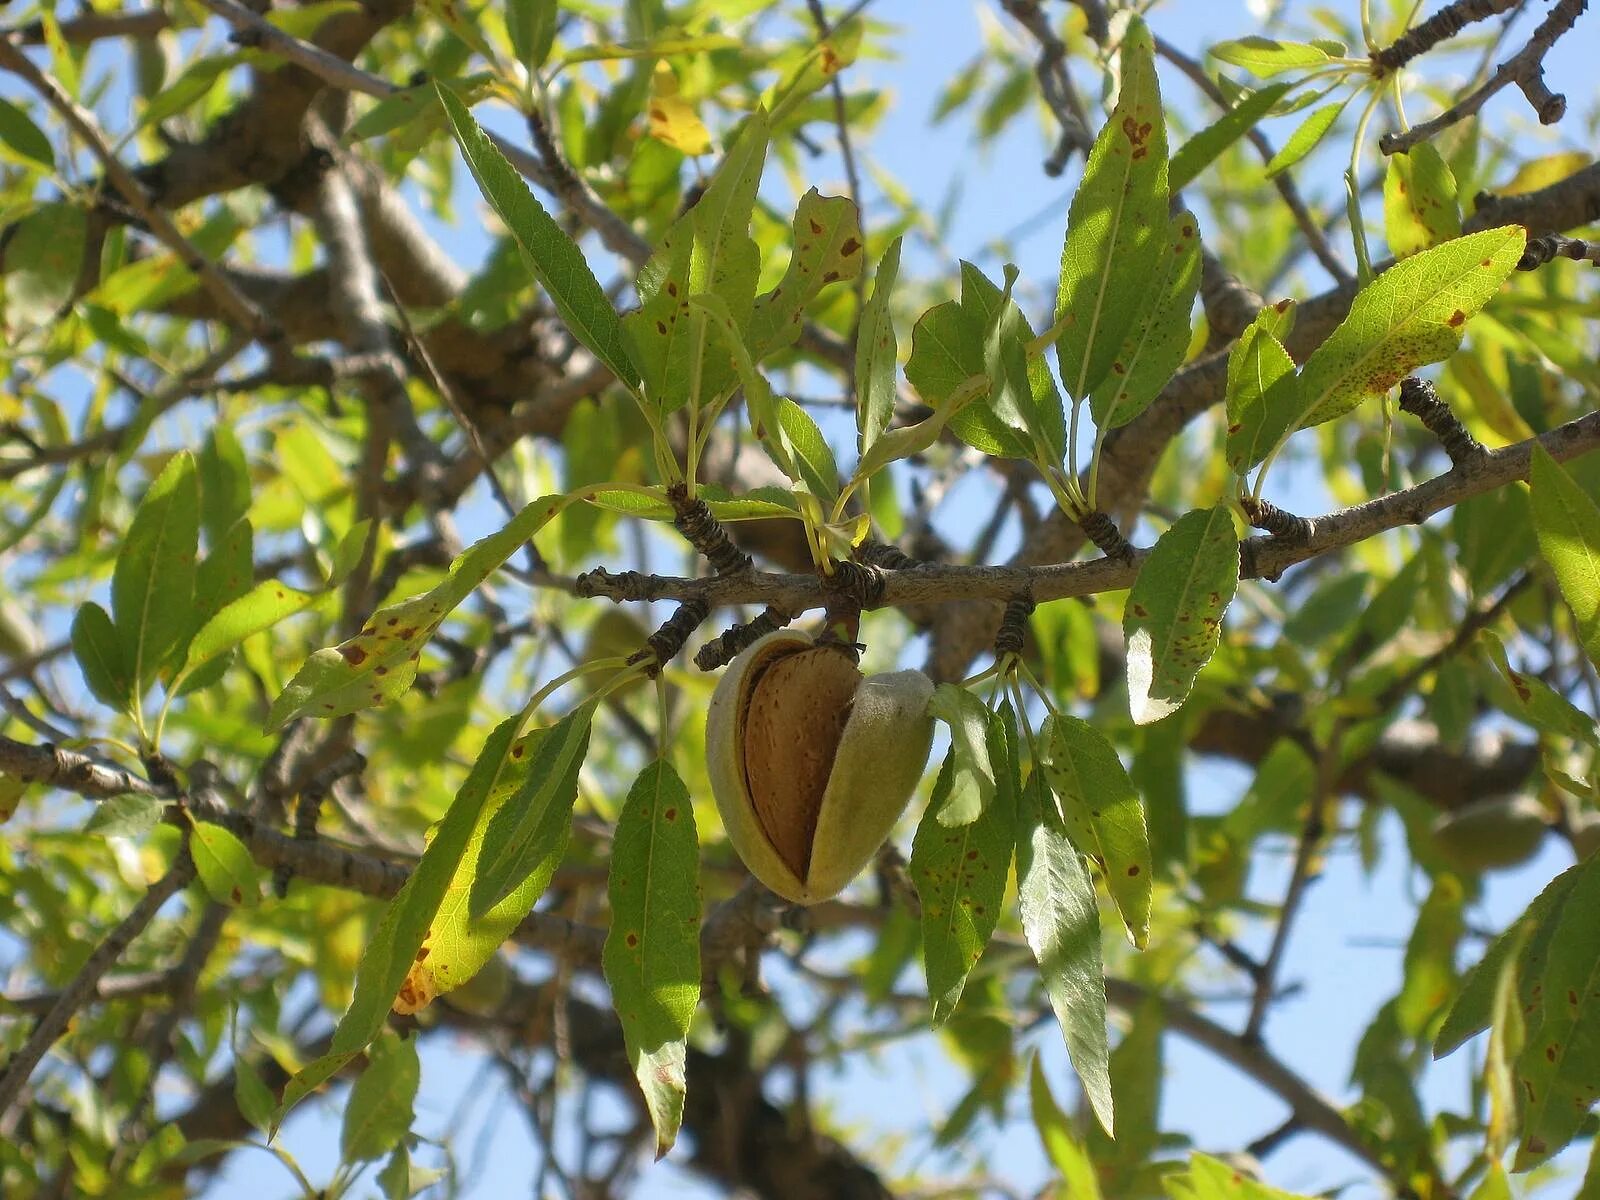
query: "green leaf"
1102, 814
152, 587
1263, 396
189, 88
1061, 920
1411, 315
1211, 1179
1568, 527
18, 132
553, 257
652, 953
531, 25
946, 350
1265, 57
876, 354
960, 876
813, 457
708, 250
1154, 348
380, 662
378, 1112
1070, 1159
43, 256
224, 865
102, 658
125, 816
1558, 1072
661, 47
1306, 136
1173, 616
254, 1098
1535, 701
827, 249
514, 845
1430, 970
1021, 401
1202, 149
1474, 1003
1116, 224
1419, 201
224, 474
258, 610
392, 948
973, 776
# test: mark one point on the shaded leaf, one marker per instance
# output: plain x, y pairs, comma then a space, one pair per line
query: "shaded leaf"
876, 354
1567, 523
101, 657
973, 776
378, 1112
224, 865
1173, 616
152, 587
652, 952
1419, 201
1203, 148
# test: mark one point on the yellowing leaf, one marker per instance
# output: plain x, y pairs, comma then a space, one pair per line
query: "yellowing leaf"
674, 121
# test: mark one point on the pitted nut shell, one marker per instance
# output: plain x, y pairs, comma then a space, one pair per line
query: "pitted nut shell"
811, 764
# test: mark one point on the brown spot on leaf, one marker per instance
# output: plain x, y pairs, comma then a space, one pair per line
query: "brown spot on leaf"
850, 247
632, 939
1456, 318
354, 655
422, 953
1133, 870
670, 815
816, 227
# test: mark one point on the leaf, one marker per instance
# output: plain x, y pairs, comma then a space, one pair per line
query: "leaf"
251, 1094
827, 249
1102, 814
1070, 1159
458, 944
1116, 224
666, 46
1419, 201
11, 790
224, 865
99, 651
652, 952
258, 610
1154, 348
707, 250
152, 587
1536, 702
1203, 148
531, 25
380, 662
125, 816
973, 776
1411, 315
673, 120
876, 354
1173, 616
1473, 1007
378, 1112
399, 934
189, 88
813, 457
1061, 919
553, 257
1263, 396
1265, 57
1305, 137
1558, 1072
1568, 527
1430, 974
21, 135
43, 255
946, 350
1021, 404
1212, 1179
513, 848
224, 475
960, 876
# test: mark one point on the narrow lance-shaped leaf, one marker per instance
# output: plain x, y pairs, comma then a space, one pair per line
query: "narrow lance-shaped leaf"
1116, 224
973, 775
1567, 523
1071, 1160
1173, 616
652, 952
1265, 57
1411, 315
1102, 814
258, 610
1020, 404
459, 944
101, 657
1306, 137
1154, 348
1061, 919
1419, 201
400, 931
1263, 389
827, 250
380, 662
224, 865
554, 258
152, 588
511, 847
876, 353
1558, 1072
1203, 148
960, 876
708, 250
812, 456
378, 1111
